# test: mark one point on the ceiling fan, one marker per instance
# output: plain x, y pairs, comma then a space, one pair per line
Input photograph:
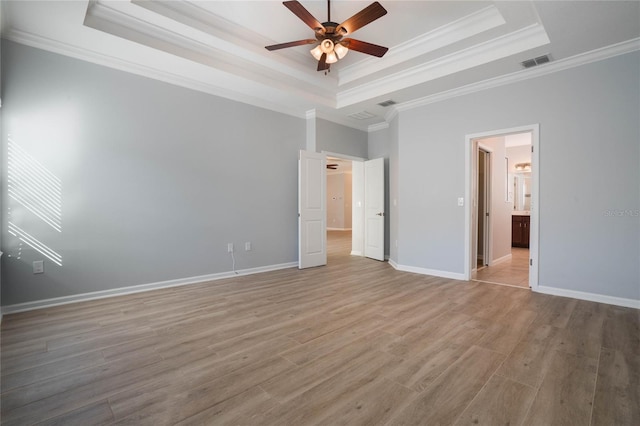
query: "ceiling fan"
332, 46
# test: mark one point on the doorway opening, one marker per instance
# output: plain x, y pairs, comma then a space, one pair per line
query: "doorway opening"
502, 214
368, 215
355, 202
340, 217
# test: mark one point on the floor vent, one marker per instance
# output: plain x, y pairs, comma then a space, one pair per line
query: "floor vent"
387, 103
536, 61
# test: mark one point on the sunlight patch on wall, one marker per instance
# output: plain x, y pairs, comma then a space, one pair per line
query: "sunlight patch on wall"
33, 242
34, 193
34, 187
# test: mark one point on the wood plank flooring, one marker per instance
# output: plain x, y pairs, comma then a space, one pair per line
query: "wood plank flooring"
354, 342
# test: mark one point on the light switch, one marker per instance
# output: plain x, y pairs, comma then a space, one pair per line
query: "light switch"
38, 266
460, 201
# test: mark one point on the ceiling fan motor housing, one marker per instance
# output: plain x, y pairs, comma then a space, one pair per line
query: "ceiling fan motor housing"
330, 32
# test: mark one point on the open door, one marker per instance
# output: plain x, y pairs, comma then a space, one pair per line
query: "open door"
312, 210
374, 209
484, 206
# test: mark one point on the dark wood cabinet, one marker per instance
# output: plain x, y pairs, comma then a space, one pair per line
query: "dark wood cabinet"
520, 231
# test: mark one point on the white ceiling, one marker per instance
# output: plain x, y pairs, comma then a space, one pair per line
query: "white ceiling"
435, 47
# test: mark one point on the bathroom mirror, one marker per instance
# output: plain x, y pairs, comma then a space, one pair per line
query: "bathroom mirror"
522, 191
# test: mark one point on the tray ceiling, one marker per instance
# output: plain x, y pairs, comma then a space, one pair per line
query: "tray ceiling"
435, 47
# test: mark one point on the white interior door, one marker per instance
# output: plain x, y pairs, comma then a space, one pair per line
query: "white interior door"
374, 209
312, 209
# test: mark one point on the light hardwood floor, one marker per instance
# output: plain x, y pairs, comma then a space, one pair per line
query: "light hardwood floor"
354, 342
514, 271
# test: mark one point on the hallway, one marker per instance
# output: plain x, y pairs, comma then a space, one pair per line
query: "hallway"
338, 243
514, 272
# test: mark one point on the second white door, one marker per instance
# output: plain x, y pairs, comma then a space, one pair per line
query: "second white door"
374, 209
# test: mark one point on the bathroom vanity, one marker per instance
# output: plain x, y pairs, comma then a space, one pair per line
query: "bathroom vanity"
520, 226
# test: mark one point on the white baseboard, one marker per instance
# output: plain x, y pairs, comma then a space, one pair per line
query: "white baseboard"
424, 271
356, 253
501, 259
83, 297
592, 297
338, 229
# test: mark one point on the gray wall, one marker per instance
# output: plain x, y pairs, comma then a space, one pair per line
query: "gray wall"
589, 174
333, 137
156, 179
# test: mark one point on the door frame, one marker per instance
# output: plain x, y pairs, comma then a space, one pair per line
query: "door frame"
471, 170
357, 212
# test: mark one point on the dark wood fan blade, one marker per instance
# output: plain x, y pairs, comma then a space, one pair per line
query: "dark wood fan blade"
322, 63
362, 18
304, 15
364, 47
291, 44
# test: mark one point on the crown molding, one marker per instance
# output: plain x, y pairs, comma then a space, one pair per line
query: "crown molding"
465, 27
378, 126
198, 24
515, 42
392, 113
310, 114
603, 53
119, 19
47, 44
342, 120
53, 46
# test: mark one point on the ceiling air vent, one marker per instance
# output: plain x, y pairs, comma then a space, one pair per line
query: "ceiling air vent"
364, 115
536, 61
387, 103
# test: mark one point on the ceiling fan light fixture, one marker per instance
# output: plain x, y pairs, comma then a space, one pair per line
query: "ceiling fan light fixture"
326, 46
316, 52
331, 47
340, 50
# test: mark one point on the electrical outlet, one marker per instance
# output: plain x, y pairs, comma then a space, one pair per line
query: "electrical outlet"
38, 266
247, 246
230, 248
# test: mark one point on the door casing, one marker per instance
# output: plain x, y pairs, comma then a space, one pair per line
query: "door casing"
470, 171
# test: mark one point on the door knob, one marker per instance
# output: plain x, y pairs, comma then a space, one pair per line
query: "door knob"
380, 214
